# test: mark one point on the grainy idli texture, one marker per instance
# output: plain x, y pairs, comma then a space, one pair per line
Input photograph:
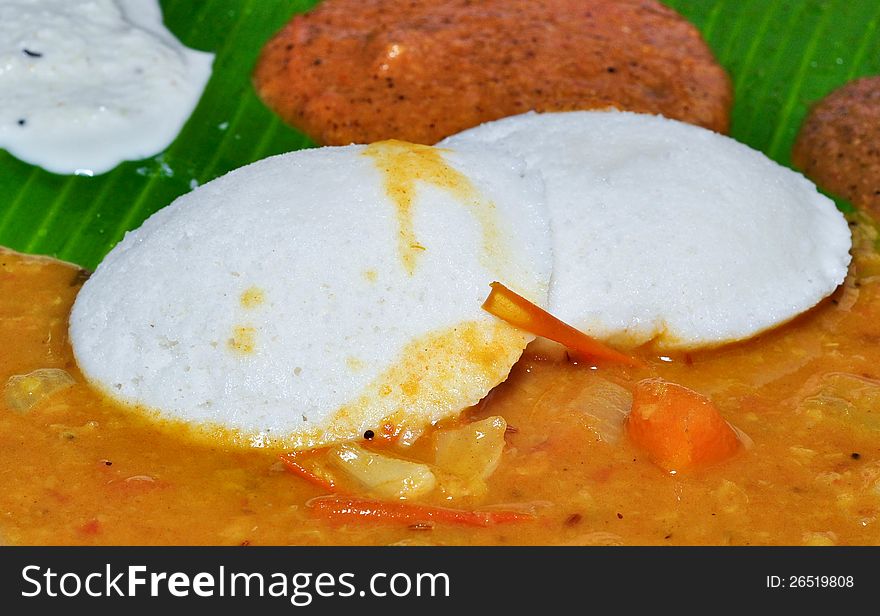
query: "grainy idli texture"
311, 296
670, 233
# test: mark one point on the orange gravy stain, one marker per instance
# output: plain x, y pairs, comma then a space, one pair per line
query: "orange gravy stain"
252, 298
404, 165
79, 469
243, 340
431, 374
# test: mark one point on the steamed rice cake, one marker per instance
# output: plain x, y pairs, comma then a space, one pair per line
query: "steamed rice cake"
312, 296
669, 233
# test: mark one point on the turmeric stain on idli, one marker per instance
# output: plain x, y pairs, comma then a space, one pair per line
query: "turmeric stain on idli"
252, 297
425, 384
405, 164
354, 364
243, 340
244, 337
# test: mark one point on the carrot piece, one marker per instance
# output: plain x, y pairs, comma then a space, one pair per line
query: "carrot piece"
520, 312
679, 428
295, 465
343, 508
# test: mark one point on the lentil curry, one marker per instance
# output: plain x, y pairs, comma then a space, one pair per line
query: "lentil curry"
79, 469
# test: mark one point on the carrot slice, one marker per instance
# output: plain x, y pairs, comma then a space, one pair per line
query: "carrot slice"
294, 463
679, 428
520, 312
344, 508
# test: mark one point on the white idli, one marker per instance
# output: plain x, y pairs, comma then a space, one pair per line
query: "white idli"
670, 233
311, 296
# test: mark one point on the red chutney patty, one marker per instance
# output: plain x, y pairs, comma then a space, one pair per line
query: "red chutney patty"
420, 70
838, 146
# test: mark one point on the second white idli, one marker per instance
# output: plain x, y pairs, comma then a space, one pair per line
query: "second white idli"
314, 295
669, 233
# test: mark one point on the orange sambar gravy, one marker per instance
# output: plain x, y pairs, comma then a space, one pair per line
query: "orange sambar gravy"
80, 469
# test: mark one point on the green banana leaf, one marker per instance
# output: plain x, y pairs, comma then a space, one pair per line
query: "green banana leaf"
781, 54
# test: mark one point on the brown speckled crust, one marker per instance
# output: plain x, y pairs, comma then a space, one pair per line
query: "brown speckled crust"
420, 70
838, 146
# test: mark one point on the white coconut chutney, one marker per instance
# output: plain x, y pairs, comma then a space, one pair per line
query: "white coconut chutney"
87, 84
312, 296
671, 233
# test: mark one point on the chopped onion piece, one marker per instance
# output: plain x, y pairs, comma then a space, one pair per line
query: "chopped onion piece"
383, 476
593, 401
607, 406
24, 391
543, 349
848, 397
470, 453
